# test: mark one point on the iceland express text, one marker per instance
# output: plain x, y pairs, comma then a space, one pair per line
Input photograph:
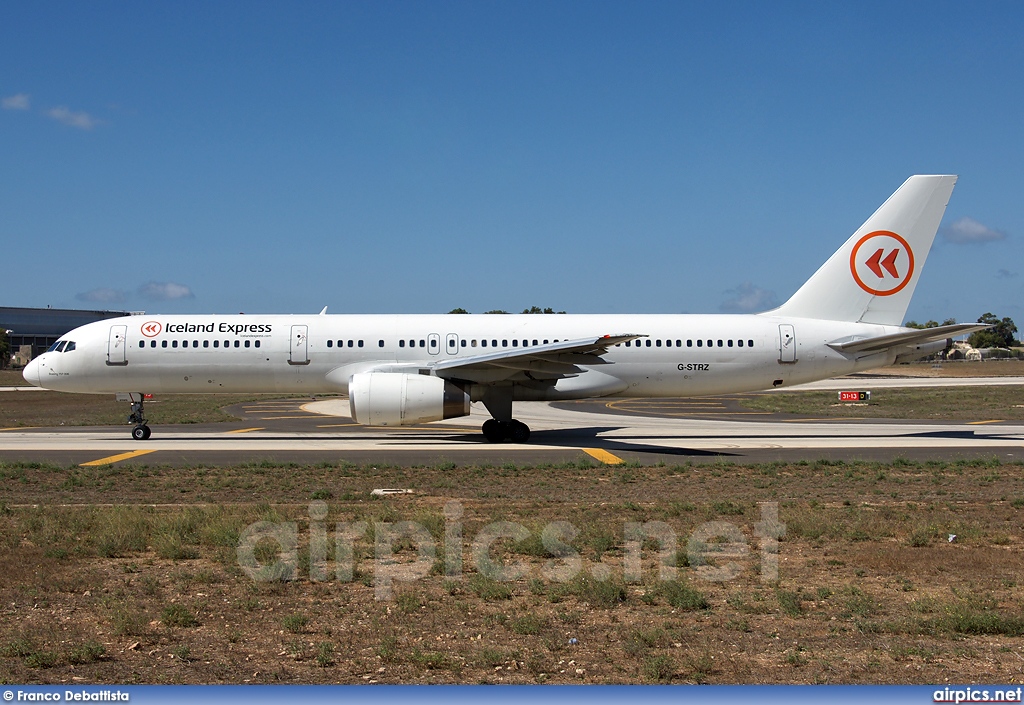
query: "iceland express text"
236, 328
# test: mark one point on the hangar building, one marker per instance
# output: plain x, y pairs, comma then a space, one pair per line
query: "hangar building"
41, 327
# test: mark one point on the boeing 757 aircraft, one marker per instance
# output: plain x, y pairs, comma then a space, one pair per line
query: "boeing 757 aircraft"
401, 370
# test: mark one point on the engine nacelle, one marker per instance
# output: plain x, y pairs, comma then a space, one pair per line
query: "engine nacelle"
393, 399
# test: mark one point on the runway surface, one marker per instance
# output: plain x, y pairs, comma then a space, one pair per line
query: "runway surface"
648, 431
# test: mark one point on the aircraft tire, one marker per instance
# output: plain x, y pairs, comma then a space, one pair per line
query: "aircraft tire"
518, 432
494, 430
139, 433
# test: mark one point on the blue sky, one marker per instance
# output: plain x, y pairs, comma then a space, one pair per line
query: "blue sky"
417, 156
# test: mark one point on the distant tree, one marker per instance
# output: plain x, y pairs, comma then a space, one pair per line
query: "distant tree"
1001, 335
929, 324
532, 309
5, 350
538, 309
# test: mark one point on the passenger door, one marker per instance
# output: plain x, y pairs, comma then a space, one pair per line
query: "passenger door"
453, 344
117, 346
299, 352
787, 343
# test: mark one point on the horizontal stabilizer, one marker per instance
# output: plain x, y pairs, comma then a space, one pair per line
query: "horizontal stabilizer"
899, 340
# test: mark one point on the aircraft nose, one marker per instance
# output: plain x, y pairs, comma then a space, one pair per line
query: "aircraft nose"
31, 373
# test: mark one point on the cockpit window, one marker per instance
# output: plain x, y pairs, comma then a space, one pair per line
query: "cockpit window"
70, 346
56, 346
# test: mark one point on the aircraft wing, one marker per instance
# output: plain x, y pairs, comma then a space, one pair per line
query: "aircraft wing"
539, 362
899, 340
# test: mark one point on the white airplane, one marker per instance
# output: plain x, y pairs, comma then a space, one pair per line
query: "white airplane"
401, 370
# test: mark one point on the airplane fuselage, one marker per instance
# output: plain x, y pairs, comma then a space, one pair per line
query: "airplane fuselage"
680, 355
411, 369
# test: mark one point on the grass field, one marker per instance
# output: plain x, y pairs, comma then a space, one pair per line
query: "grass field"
42, 408
131, 573
36, 408
954, 403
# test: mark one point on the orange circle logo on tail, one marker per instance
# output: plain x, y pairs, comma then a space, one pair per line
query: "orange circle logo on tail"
882, 263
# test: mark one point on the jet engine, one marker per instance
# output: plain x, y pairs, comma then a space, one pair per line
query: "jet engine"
394, 399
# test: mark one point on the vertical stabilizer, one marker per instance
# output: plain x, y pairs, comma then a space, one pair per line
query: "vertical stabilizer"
872, 277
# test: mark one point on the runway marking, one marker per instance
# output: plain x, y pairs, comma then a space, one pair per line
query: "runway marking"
278, 418
246, 430
825, 418
398, 428
698, 412
978, 423
117, 458
603, 455
684, 409
17, 428
272, 407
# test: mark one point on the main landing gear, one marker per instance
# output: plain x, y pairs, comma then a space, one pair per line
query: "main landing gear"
502, 427
497, 431
141, 431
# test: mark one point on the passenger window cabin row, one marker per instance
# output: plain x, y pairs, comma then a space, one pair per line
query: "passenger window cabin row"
422, 343
206, 344
700, 343
646, 342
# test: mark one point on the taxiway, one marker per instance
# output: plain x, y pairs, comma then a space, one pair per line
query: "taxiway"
670, 431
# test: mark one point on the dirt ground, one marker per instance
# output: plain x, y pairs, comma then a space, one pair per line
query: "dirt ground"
897, 573
954, 368
132, 574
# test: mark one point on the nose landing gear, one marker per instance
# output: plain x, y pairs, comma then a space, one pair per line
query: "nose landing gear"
141, 431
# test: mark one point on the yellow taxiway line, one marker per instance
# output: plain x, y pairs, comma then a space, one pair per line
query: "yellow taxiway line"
603, 455
117, 458
246, 430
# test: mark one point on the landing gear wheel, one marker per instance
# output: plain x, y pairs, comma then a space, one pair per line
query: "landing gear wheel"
498, 431
141, 431
518, 432
494, 430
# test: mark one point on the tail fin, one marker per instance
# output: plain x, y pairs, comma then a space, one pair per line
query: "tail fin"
871, 278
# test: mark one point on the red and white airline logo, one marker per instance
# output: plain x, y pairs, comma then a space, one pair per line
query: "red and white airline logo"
882, 263
151, 329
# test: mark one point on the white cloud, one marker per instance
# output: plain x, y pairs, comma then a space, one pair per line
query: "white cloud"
165, 291
83, 121
968, 231
103, 295
16, 102
747, 298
